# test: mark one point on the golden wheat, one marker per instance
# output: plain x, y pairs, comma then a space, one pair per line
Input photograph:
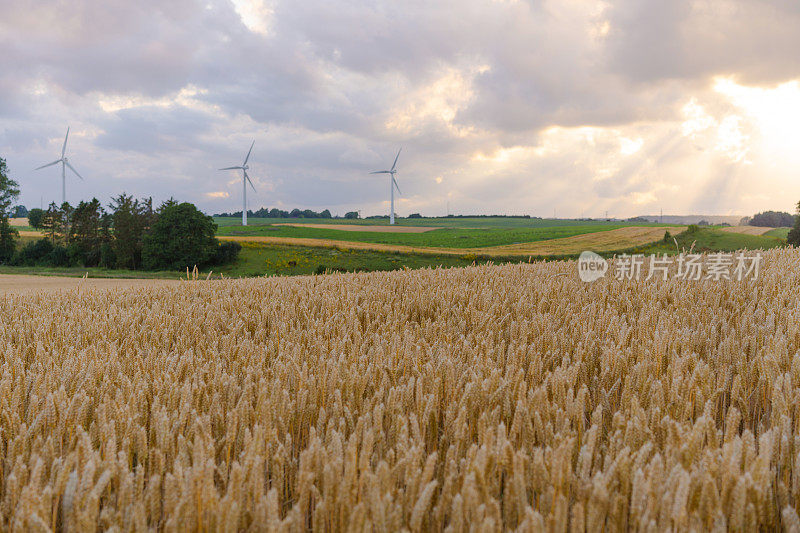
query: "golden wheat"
484, 398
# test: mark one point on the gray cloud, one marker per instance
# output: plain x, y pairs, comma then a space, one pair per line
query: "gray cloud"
333, 88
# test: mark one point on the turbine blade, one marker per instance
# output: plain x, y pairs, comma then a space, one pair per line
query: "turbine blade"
250, 182
48, 165
396, 158
378, 172
73, 169
396, 186
231, 168
248, 153
64, 148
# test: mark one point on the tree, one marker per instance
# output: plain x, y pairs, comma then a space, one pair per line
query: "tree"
351, 215
86, 234
50, 222
56, 221
794, 234
9, 191
35, 216
131, 219
181, 237
20, 211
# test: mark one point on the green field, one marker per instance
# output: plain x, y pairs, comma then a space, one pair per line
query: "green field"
781, 233
259, 259
493, 234
440, 222
713, 240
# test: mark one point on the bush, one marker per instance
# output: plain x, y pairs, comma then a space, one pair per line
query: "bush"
44, 253
227, 252
414, 215
108, 257
8, 241
58, 257
75, 254
667, 236
33, 253
693, 228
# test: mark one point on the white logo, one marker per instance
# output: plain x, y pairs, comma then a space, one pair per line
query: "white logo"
591, 267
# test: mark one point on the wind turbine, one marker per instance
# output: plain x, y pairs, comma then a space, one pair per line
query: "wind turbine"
245, 181
392, 185
64, 164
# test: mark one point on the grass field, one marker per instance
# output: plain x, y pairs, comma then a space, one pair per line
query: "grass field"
284, 256
442, 222
492, 398
781, 233
441, 238
715, 240
258, 259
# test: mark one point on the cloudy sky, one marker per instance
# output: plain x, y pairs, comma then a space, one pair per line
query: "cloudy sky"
501, 106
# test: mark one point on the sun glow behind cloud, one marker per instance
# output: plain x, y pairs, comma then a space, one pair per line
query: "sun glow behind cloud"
773, 112
255, 14
437, 103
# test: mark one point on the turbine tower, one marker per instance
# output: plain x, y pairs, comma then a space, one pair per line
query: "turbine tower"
64, 165
392, 185
245, 181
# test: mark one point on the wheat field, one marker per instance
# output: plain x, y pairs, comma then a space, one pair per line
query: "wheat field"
487, 398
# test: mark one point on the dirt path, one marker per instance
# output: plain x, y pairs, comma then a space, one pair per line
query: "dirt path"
12, 283
356, 227
600, 241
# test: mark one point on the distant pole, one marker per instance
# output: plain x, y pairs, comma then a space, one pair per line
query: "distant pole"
391, 204
244, 200
662, 215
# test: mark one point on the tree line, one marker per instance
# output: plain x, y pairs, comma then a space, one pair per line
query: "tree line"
772, 219
131, 234
279, 213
